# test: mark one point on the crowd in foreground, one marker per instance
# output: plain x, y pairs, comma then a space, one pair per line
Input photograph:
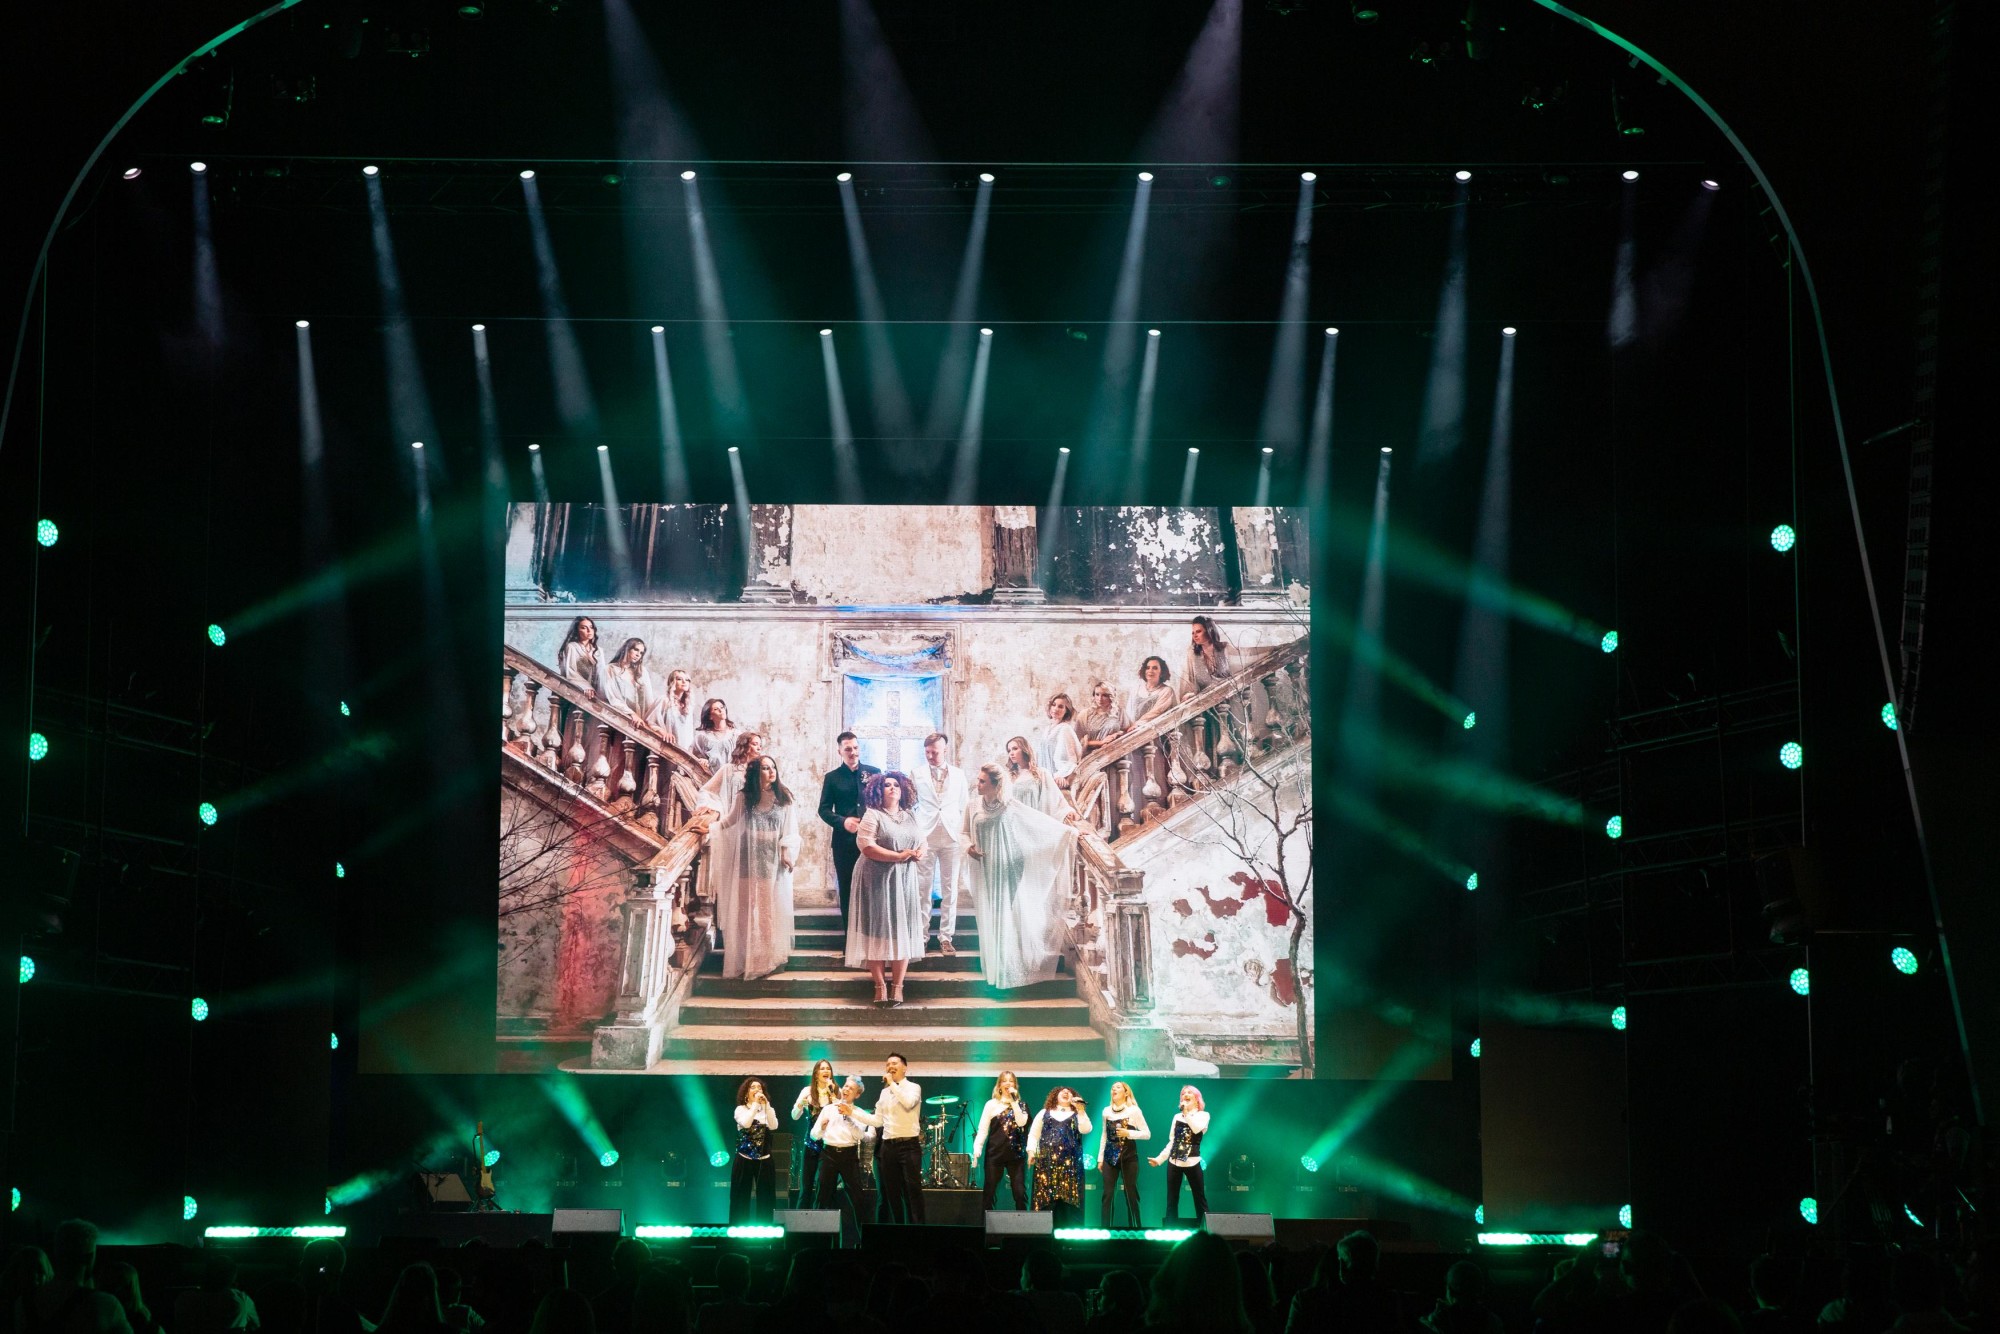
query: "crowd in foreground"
1201, 1286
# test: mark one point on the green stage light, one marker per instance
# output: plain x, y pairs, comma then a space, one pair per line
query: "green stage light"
1904, 961
1536, 1238
1610, 641
609, 1158
339, 871
1475, 1049
1809, 1210
46, 532
1479, 1214
27, 970
1624, 1215
38, 746
1089, 1162
216, 636
1908, 1213
734, 1232
198, 1008
493, 1156
333, 1042
237, 1232
1889, 716
329, 1205
189, 1208
1783, 538
1801, 981
345, 712
1472, 881
662, 1231
17, 1197
1791, 755
1471, 721
718, 1159
1618, 1019
207, 812
1615, 827
1310, 1163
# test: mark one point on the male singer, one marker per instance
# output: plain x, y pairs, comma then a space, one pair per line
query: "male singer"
840, 1130
899, 1154
940, 810
840, 809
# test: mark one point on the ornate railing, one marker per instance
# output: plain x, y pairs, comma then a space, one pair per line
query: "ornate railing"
1137, 776
630, 768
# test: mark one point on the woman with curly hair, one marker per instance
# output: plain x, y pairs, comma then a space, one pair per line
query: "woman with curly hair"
1055, 1153
888, 915
753, 1181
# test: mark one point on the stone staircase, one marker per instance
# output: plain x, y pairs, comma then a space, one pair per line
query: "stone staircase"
950, 1023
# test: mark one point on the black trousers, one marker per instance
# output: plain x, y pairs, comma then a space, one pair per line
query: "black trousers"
1127, 1172
809, 1156
837, 1168
901, 1162
846, 852
1015, 1172
753, 1189
1192, 1175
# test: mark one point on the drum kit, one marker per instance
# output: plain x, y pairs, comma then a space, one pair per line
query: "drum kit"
943, 1134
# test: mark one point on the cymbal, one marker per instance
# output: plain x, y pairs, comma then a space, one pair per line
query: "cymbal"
941, 1100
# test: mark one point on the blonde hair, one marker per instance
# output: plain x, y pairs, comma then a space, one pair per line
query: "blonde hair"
997, 774
1004, 1075
1028, 765
1117, 1084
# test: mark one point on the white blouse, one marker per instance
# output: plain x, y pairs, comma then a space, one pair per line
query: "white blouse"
1134, 1121
1035, 1130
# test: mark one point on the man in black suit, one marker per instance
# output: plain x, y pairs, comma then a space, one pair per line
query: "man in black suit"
840, 808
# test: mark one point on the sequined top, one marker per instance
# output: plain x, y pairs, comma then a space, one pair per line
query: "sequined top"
1184, 1146
1059, 1162
753, 1132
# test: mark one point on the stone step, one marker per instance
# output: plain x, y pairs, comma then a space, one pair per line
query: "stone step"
965, 961
921, 1010
853, 982
833, 921
874, 1042
832, 940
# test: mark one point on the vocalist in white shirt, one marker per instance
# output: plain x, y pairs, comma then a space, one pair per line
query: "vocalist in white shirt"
752, 1173
839, 1130
1183, 1155
1118, 1153
940, 811
899, 1158
1000, 1146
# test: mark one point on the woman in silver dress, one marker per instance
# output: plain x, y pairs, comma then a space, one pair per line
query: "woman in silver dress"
886, 918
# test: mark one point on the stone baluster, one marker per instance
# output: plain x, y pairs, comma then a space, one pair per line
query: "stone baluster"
649, 794
1130, 945
1152, 790
599, 785
628, 778
552, 738
574, 752
508, 731
1128, 804
531, 727
642, 969
1107, 805
683, 891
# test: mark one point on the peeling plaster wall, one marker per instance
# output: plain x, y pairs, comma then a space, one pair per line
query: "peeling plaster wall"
1220, 945
849, 555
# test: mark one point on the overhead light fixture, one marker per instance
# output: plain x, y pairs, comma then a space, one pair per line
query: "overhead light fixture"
986, 177
371, 170
1152, 333
1308, 176
197, 167
534, 449
1507, 332
1629, 174
1145, 175
479, 328
1711, 185
131, 173
1462, 174
528, 174
1332, 332
985, 333
303, 324
659, 328
845, 176
1364, 14
688, 175
826, 333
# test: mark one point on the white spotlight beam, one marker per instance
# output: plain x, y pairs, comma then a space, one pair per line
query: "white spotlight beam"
1107, 417
1187, 477
574, 402
1319, 439
673, 453
1444, 394
1284, 390
614, 523
942, 419
1142, 420
972, 429
888, 397
724, 382
846, 470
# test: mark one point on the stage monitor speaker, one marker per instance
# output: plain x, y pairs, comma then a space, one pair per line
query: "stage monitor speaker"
1242, 1227
807, 1220
1016, 1223
444, 1190
589, 1220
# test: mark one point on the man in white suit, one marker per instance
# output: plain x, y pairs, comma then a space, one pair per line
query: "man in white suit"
940, 809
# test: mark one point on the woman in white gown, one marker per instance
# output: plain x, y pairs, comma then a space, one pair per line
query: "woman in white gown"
1060, 750
625, 686
1030, 784
1105, 722
715, 735
887, 911
754, 904
1155, 698
1019, 860
577, 658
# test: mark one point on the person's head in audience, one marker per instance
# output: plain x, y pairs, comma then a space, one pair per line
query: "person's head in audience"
1464, 1284
121, 1281
1196, 1286
321, 1264
27, 1269
218, 1272
73, 1252
451, 1287
1041, 1272
1916, 1284
1704, 1317
732, 1277
413, 1302
1255, 1280
956, 1272
1359, 1255
1121, 1293
844, 1283
804, 1281
564, 1311
1645, 1264
1774, 1282
630, 1259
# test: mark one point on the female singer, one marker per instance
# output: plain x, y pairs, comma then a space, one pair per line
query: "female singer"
754, 906
715, 734
1183, 1155
577, 658
1055, 1150
1105, 722
1002, 1139
1061, 749
819, 1093
887, 924
752, 1171
1030, 784
1019, 861
1117, 1154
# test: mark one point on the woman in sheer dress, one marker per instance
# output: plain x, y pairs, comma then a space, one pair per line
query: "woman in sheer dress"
887, 910
755, 908
1019, 862
1031, 785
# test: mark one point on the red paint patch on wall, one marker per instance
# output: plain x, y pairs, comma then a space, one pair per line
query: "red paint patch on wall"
1186, 948
1284, 984
1223, 907
1183, 907
1277, 911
